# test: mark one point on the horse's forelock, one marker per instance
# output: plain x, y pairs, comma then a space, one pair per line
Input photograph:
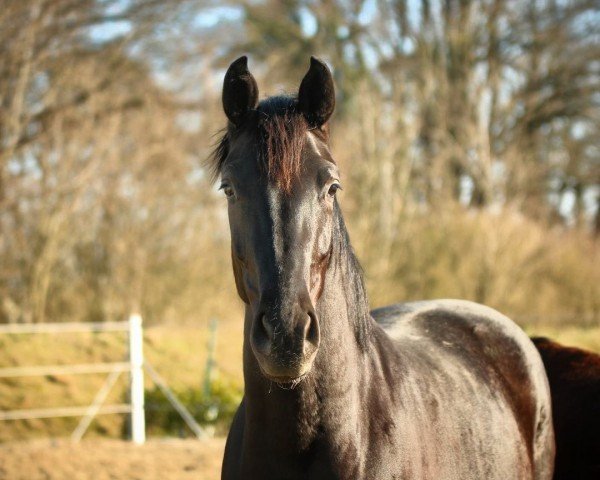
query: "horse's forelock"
279, 131
281, 140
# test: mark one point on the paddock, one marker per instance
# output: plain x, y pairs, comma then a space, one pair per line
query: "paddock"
106, 459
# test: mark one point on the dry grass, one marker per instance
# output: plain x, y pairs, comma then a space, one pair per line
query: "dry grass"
112, 460
587, 338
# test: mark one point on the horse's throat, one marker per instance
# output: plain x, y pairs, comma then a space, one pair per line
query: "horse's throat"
319, 408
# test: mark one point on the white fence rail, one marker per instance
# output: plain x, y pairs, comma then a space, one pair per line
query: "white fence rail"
70, 327
43, 370
135, 366
62, 412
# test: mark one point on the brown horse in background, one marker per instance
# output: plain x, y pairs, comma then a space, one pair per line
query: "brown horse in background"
574, 376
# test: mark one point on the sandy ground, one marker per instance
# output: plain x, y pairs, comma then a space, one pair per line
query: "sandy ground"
112, 460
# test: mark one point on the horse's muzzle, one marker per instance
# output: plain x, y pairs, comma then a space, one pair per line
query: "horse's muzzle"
285, 349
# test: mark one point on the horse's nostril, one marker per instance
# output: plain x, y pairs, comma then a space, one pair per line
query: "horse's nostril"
311, 330
267, 327
304, 324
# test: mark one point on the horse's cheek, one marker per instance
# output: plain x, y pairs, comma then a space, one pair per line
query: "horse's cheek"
238, 275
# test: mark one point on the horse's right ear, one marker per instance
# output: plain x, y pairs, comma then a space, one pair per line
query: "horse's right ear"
240, 91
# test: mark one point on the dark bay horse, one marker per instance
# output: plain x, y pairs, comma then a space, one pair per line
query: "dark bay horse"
431, 390
574, 376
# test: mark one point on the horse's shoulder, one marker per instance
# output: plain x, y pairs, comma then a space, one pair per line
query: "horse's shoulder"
456, 347
465, 333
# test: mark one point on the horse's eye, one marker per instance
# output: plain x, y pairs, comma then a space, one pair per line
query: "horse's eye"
227, 189
334, 187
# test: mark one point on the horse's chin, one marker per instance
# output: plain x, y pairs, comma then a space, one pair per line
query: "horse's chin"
284, 373
287, 382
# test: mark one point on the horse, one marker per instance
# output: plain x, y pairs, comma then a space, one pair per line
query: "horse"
574, 376
427, 390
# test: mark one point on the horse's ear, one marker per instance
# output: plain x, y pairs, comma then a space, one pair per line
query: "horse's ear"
240, 91
316, 97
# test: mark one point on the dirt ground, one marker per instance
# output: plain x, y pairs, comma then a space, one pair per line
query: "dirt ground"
112, 460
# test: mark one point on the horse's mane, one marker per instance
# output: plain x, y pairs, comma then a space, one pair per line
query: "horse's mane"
357, 302
279, 131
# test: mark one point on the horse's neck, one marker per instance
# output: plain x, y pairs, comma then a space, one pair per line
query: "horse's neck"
326, 402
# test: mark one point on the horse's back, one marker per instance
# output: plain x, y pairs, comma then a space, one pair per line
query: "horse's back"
486, 355
466, 330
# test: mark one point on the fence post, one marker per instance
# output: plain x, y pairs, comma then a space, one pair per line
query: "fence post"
210, 357
136, 358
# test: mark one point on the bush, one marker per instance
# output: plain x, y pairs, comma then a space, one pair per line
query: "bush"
214, 411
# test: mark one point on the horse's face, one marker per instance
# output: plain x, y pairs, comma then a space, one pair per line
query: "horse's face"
280, 183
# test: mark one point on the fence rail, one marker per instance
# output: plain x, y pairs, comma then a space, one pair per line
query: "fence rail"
67, 327
62, 412
43, 370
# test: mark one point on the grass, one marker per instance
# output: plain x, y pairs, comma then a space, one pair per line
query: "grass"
582, 337
178, 353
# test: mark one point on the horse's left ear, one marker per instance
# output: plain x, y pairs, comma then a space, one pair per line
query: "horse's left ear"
316, 97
